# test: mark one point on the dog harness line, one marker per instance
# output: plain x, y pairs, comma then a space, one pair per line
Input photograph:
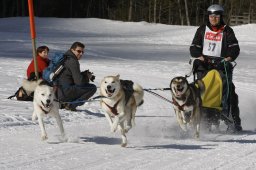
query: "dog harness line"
114, 108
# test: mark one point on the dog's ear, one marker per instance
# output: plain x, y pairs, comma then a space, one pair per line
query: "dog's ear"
118, 76
185, 79
170, 85
172, 81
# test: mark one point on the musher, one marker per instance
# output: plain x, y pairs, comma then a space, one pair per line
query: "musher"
215, 46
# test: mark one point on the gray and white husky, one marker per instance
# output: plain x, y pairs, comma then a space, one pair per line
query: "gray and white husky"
187, 103
120, 102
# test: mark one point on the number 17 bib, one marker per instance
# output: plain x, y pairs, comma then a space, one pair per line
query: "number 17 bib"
212, 43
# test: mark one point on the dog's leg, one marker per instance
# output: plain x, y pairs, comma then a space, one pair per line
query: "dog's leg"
197, 130
197, 122
117, 119
109, 120
127, 128
60, 124
133, 116
129, 121
115, 124
41, 124
123, 131
34, 116
180, 121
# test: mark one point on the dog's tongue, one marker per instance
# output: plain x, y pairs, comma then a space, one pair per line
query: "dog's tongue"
108, 93
178, 93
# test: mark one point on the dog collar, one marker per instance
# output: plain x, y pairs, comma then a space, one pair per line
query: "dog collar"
114, 108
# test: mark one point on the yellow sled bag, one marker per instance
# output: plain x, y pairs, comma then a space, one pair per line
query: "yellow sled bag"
212, 96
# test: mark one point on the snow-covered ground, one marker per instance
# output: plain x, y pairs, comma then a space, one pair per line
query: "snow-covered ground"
150, 54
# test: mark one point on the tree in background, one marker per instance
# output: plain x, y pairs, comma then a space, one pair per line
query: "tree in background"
175, 12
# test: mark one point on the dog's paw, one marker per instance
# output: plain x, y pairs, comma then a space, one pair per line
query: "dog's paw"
44, 137
123, 144
63, 138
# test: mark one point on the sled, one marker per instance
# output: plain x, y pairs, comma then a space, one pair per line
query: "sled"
212, 96
212, 111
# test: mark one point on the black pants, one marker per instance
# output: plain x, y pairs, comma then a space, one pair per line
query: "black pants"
76, 94
229, 96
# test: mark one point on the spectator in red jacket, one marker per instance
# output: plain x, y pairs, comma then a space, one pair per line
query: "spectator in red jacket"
42, 63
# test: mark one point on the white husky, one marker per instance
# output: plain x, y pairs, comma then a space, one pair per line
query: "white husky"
44, 104
120, 103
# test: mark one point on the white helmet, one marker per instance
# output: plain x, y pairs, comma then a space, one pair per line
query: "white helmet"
215, 9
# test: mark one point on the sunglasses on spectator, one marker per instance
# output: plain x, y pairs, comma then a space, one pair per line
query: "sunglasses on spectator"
79, 51
214, 16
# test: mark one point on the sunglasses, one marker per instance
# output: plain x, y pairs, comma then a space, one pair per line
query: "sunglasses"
79, 51
214, 16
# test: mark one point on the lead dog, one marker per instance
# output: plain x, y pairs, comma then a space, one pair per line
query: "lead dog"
120, 102
187, 103
44, 105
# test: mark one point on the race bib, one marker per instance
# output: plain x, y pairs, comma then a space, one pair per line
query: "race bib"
212, 43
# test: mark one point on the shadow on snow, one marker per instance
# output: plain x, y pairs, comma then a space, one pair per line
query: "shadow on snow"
101, 140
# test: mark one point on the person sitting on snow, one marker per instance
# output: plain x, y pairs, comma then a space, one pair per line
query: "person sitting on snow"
215, 46
42, 63
73, 85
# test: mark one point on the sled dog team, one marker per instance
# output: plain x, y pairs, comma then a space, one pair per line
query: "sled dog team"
120, 99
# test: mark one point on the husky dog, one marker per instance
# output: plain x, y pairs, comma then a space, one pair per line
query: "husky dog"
30, 86
44, 104
187, 102
120, 102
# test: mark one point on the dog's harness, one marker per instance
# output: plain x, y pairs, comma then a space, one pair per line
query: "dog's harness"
114, 108
181, 107
189, 101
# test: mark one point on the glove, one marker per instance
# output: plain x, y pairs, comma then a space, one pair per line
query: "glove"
227, 59
93, 78
89, 74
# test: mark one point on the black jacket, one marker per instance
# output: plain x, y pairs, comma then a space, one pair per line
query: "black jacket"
72, 74
72, 84
230, 46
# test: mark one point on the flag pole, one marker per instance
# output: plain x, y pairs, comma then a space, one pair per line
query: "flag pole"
33, 34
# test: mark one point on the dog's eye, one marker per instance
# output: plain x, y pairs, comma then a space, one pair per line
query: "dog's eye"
42, 94
50, 95
113, 82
